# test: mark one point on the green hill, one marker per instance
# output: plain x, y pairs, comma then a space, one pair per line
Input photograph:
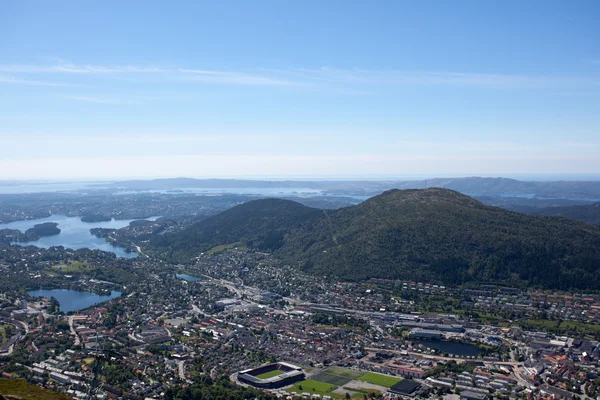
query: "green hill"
436, 235
20, 389
260, 224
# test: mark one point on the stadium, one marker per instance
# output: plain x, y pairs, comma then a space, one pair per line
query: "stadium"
271, 376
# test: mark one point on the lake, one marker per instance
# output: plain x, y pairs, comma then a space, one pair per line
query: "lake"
74, 300
74, 233
458, 349
186, 277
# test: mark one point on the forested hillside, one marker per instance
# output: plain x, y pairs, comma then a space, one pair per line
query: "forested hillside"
260, 224
436, 235
589, 213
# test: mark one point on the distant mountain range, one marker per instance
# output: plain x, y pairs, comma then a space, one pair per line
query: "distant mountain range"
434, 235
472, 186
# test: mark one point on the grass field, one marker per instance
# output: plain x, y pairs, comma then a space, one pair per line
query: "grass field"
220, 248
73, 267
269, 374
345, 372
331, 379
324, 389
378, 379
17, 387
313, 387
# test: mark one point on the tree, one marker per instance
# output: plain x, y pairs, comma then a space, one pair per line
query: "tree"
54, 307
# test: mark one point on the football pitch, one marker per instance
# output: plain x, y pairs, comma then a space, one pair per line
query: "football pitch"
345, 372
269, 374
331, 379
378, 379
337, 376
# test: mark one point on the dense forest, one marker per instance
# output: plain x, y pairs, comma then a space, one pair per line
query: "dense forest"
205, 388
589, 213
434, 235
260, 224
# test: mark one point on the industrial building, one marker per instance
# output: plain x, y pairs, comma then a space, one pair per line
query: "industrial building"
418, 333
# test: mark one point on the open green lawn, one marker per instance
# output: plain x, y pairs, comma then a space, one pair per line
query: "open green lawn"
345, 372
331, 379
313, 387
220, 248
73, 267
324, 389
17, 387
378, 379
269, 374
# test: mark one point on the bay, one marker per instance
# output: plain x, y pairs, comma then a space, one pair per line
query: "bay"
74, 300
74, 234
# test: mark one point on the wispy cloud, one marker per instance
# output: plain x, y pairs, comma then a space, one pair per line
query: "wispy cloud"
473, 79
74, 69
102, 100
5, 79
316, 77
181, 74
208, 76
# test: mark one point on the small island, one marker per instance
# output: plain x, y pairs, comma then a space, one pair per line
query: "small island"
45, 229
102, 232
95, 218
30, 235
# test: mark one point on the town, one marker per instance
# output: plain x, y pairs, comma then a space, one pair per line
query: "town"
241, 316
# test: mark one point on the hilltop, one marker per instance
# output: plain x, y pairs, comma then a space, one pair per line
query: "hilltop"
436, 235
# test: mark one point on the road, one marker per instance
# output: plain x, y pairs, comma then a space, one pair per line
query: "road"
139, 250
73, 332
180, 368
23, 324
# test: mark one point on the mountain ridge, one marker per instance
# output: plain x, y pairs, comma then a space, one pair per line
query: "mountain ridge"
432, 234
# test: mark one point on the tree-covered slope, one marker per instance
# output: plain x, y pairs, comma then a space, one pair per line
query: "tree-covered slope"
436, 235
260, 224
589, 213
441, 235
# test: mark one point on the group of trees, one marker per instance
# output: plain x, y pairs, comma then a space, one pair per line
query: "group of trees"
204, 388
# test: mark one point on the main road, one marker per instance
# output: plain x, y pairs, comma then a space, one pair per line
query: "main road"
73, 332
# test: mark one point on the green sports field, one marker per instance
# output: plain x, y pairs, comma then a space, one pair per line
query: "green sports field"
269, 374
378, 379
313, 387
331, 379
345, 372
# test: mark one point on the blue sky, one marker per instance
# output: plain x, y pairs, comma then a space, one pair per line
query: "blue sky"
118, 89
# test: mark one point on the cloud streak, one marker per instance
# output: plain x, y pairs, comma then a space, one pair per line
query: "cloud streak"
325, 76
101, 100
11, 80
167, 74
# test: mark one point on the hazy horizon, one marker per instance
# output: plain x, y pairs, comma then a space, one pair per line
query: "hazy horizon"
274, 178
